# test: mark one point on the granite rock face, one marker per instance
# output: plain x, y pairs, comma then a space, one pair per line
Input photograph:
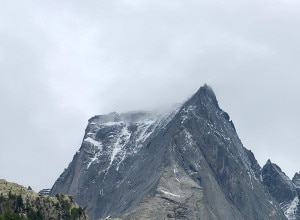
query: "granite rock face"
296, 180
285, 191
188, 164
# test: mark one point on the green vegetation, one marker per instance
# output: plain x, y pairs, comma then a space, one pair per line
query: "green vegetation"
17, 203
11, 207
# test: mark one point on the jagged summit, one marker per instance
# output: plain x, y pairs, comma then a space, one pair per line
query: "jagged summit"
188, 164
204, 96
296, 179
282, 189
279, 185
275, 167
111, 117
206, 91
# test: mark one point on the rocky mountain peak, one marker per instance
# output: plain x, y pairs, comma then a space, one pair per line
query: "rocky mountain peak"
279, 185
282, 189
188, 164
272, 167
296, 179
204, 97
206, 90
111, 117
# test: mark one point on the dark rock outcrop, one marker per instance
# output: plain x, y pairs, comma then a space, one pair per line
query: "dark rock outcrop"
278, 184
282, 189
296, 180
189, 164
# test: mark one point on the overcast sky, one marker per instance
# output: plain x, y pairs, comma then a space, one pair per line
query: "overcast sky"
62, 62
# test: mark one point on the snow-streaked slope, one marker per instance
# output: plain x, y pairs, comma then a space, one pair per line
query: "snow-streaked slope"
282, 189
290, 208
188, 164
116, 136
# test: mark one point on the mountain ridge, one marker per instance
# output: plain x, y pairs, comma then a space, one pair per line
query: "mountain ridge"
285, 191
189, 164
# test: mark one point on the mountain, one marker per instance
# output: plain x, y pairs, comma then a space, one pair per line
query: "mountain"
296, 180
18, 202
187, 164
285, 191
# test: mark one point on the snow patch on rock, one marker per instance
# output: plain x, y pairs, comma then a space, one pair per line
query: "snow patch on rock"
290, 209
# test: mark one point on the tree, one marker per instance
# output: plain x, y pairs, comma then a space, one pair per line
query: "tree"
19, 204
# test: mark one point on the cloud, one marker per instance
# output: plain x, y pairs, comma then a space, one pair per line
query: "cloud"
63, 62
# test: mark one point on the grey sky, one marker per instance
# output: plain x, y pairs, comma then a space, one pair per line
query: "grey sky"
61, 62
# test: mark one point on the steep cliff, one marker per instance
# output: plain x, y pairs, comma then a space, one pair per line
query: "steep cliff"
188, 164
285, 191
